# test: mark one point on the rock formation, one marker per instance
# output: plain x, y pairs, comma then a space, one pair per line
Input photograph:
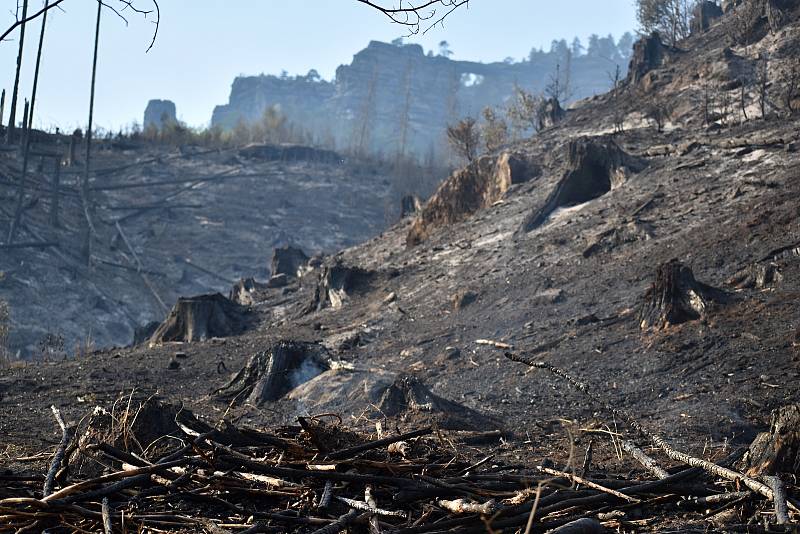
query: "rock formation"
397, 99
649, 53
705, 13
158, 113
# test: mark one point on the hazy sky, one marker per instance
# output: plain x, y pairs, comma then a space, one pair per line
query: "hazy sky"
203, 44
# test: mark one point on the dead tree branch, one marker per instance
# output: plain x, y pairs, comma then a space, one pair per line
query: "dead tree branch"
49, 481
428, 13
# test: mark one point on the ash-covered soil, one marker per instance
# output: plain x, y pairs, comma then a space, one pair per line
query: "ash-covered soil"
197, 220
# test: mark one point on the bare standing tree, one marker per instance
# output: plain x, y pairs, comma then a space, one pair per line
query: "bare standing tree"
743, 21
524, 111
762, 83
670, 17
464, 138
12, 119
495, 130
791, 95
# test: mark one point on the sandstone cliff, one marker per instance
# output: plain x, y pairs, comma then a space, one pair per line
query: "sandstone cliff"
396, 99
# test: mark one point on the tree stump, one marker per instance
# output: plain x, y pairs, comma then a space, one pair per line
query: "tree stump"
778, 450
242, 292
336, 284
271, 374
199, 318
757, 276
143, 333
138, 429
676, 297
287, 260
595, 166
409, 398
410, 205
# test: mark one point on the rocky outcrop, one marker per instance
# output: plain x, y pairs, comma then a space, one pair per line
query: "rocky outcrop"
478, 185
552, 113
300, 99
397, 99
705, 13
649, 53
158, 113
779, 12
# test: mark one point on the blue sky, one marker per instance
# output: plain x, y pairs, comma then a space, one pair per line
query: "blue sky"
203, 44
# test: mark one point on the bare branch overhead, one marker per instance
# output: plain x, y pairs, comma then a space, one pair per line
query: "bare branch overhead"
127, 5
427, 13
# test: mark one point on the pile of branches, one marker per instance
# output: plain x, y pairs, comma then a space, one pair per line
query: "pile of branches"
321, 477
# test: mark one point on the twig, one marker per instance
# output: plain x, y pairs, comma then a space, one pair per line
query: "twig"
339, 525
141, 269
587, 459
55, 464
352, 451
374, 524
80, 486
580, 526
464, 506
107, 526
640, 456
589, 484
365, 507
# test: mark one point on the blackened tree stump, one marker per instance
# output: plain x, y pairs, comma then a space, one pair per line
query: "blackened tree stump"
337, 282
200, 318
409, 398
675, 297
778, 450
271, 374
287, 260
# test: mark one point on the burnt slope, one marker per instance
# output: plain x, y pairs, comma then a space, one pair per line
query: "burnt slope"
570, 291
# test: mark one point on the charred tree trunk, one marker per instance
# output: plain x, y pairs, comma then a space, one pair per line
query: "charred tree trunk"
270, 374
15, 222
15, 93
38, 63
88, 208
676, 297
56, 195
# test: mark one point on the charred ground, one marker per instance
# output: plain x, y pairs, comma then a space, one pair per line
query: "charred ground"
563, 255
